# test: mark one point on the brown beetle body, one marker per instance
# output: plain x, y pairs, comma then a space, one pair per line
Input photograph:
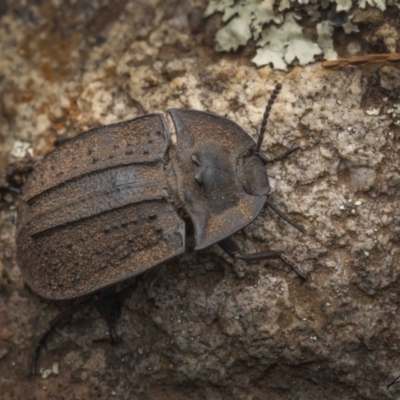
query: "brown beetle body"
108, 204
113, 203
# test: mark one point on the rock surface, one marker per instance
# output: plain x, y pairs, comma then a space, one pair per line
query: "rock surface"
209, 327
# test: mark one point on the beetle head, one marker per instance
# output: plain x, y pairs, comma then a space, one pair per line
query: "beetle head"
254, 176
252, 168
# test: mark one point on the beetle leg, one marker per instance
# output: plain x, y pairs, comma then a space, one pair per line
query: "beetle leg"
285, 217
60, 141
54, 323
232, 249
289, 151
10, 189
118, 301
108, 300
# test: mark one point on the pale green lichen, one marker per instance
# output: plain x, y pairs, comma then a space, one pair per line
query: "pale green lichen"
325, 31
217, 6
277, 31
394, 112
21, 148
381, 4
235, 34
348, 27
284, 5
281, 45
373, 111
246, 20
343, 5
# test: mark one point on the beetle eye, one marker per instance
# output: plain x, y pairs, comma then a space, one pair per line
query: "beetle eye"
196, 160
199, 178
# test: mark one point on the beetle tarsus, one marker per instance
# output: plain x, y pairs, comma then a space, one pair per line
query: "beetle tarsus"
286, 218
299, 273
393, 382
36, 352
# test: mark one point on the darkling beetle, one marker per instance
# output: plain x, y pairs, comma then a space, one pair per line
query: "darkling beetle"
112, 203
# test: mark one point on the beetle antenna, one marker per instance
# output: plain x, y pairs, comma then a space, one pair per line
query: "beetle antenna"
268, 108
285, 217
284, 155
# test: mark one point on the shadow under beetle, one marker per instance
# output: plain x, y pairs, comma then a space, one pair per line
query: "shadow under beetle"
112, 203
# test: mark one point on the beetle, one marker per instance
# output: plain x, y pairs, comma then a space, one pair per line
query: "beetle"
113, 202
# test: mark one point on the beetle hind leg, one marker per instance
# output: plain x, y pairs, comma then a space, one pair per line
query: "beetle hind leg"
109, 304
233, 250
54, 323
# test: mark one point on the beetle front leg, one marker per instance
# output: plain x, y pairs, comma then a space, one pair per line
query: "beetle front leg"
287, 153
232, 249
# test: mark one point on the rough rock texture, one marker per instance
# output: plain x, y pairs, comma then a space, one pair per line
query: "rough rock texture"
208, 327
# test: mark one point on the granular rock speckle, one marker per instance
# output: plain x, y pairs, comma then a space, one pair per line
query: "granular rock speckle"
362, 178
208, 326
